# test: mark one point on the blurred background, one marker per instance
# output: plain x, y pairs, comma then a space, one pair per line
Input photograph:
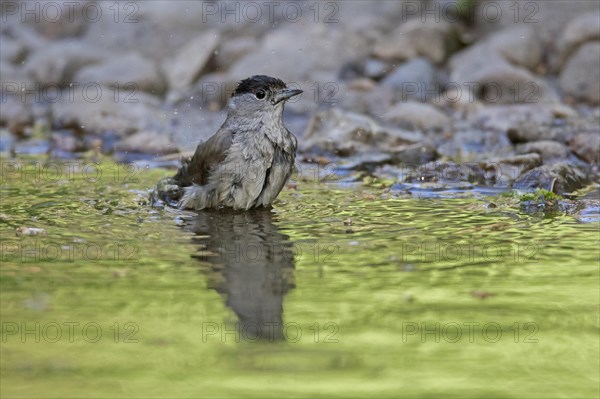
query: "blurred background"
452, 76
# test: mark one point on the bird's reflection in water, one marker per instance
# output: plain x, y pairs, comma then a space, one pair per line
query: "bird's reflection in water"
251, 265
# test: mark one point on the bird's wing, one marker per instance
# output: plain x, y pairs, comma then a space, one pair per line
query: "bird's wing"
209, 154
241, 176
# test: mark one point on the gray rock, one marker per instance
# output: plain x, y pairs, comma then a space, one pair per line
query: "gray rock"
504, 117
415, 38
230, 51
122, 112
414, 79
580, 77
415, 115
187, 65
471, 144
301, 52
365, 161
11, 51
128, 69
214, 88
547, 149
12, 74
375, 69
584, 28
518, 45
416, 154
587, 146
346, 133
59, 61
364, 96
559, 177
148, 142
528, 131
442, 171
16, 114
508, 169
60, 20
548, 17
496, 69
155, 29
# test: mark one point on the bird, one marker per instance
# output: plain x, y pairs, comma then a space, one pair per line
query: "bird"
247, 162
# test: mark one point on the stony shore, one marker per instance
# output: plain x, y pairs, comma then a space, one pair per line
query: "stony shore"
508, 102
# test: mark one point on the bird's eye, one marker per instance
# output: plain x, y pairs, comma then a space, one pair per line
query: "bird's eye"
260, 94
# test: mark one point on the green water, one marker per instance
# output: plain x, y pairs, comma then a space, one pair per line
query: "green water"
411, 298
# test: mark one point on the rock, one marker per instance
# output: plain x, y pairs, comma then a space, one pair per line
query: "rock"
415, 115
587, 146
189, 62
230, 51
154, 29
527, 131
11, 51
375, 69
365, 161
548, 17
415, 38
16, 114
580, 77
441, 171
470, 144
57, 20
415, 154
504, 117
148, 142
214, 88
59, 61
546, 148
518, 45
369, 21
559, 178
579, 30
496, 70
125, 70
121, 112
345, 133
312, 49
414, 79
363, 96
511, 167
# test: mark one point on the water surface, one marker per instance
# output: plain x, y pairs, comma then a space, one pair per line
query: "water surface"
337, 291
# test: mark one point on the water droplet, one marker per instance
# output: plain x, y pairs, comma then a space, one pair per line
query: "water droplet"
191, 97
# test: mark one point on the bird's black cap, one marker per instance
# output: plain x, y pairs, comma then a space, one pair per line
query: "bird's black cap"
264, 82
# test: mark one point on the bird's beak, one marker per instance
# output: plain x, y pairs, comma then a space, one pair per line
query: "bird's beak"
286, 94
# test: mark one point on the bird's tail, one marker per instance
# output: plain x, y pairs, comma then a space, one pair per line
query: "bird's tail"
197, 197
